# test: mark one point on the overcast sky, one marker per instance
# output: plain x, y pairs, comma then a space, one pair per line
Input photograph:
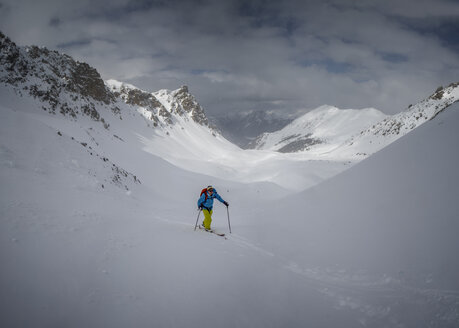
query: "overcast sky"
243, 55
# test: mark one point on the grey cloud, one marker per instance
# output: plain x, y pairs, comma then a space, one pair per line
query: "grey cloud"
239, 55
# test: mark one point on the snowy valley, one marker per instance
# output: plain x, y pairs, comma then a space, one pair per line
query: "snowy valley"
341, 219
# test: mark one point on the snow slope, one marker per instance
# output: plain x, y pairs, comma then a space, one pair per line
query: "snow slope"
394, 215
395, 209
374, 246
83, 245
195, 146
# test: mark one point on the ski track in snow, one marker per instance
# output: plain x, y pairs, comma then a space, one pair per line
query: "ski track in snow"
376, 299
379, 299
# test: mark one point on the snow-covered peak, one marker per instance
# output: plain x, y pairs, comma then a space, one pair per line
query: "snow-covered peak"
183, 103
163, 106
116, 85
391, 128
329, 121
353, 134
321, 129
417, 114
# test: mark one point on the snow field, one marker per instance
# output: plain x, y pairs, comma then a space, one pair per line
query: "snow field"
373, 246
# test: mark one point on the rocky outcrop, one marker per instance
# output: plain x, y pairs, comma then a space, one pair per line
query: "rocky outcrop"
415, 115
62, 84
138, 98
72, 88
302, 144
163, 107
188, 104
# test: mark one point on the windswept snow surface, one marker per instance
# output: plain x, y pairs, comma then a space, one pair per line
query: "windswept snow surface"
96, 231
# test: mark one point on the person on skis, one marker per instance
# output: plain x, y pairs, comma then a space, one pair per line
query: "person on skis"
206, 203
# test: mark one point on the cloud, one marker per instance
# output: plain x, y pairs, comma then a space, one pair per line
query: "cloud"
240, 55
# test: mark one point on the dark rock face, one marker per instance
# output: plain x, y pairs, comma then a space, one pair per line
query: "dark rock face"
405, 121
61, 83
11, 61
186, 103
72, 88
301, 144
87, 81
179, 103
136, 97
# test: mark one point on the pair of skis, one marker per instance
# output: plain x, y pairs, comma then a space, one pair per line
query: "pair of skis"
211, 231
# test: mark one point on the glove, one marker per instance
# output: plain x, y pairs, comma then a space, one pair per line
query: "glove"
226, 203
200, 207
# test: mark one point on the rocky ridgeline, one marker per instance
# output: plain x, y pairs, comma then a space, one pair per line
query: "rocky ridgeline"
186, 103
371, 136
162, 107
62, 84
415, 115
139, 98
72, 88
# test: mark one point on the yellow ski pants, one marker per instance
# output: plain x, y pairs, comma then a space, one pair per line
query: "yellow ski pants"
207, 218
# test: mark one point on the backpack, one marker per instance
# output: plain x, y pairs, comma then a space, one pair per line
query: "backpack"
204, 191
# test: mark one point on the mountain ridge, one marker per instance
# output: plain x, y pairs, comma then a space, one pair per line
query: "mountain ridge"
72, 88
172, 124
350, 140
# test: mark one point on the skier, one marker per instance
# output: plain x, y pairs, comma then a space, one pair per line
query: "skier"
206, 202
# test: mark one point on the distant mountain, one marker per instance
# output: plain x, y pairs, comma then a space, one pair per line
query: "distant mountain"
160, 107
379, 135
324, 127
354, 134
243, 127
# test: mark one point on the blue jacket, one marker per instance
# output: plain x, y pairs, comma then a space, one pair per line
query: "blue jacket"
209, 203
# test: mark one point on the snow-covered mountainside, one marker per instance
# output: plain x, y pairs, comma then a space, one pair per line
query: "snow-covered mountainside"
61, 84
391, 128
320, 130
169, 124
161, 107
74, 89
329, 132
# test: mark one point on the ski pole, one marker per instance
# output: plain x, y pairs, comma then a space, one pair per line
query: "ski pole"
229, 225
197, 219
